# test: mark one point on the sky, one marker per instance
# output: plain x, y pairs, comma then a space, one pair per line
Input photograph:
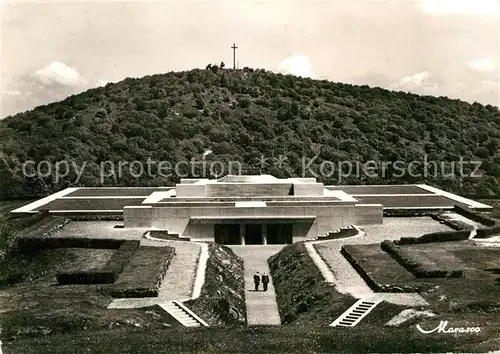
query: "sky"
50, 50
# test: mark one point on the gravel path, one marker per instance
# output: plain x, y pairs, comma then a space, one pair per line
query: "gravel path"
261, 306
348, 281
179, 278
395, 228
100, 229
455, 216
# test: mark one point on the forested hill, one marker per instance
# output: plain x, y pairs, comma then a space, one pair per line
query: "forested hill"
241, 115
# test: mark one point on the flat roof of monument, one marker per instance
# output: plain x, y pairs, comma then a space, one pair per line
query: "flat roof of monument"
112, 200
254, 179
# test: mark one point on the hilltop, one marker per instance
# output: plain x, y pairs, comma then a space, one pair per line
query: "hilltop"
242, 115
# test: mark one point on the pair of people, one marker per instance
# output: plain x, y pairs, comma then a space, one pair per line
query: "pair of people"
257, 278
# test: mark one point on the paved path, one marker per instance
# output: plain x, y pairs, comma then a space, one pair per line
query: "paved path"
336, 269
179, 279
261, 306
348, 281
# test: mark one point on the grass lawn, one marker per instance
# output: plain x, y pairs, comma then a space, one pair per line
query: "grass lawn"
8, 205
305, 298
382, 271
40, 306
495, 203
289, 339
477, 290
222, 299
41, 311
144, 273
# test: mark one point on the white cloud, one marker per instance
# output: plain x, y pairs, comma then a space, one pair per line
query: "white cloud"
491, 85
460, 7
11, 93
58, 73
419, 81
298, 65
483, 65
102, 83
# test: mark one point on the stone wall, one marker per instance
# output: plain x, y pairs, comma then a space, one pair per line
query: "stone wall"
94, 204
248, 190
367, 214
177, 220
308, 189
201, 232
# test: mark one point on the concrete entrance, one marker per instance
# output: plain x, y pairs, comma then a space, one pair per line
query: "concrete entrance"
227, 234
253, 234
279, 234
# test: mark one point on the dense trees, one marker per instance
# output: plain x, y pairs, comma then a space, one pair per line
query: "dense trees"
256, 117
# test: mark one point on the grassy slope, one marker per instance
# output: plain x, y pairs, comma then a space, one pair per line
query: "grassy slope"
495, 203
222, 299
287, 339
475, 292
303, 296
46, 309
16, 267
32, 303
299, 282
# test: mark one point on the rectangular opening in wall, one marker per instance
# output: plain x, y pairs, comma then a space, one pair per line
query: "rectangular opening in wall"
253, 234
278, 234
227, 234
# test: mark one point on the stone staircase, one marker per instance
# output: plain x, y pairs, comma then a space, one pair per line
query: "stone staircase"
355, 313
183, 315
343, 232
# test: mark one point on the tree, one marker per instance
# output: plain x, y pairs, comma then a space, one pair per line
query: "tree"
222, 65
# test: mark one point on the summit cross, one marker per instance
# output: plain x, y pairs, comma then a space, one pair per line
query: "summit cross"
234, 47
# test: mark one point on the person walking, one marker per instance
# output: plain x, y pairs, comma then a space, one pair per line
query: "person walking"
265, 281
256, 280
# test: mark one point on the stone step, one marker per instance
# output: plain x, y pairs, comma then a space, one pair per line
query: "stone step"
195, 325
191, 324
176, 310
185, 318
182, 315
355, 313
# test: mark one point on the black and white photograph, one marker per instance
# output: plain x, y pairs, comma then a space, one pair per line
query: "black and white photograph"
249, 176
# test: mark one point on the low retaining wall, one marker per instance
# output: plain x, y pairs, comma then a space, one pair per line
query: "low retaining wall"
108, 274
462, 230
444, 236
143, 275
456, 225
342, 233
107, 217
493, 226
408, 213
477, 217
488, 232
30, 244
420, 267
389, 288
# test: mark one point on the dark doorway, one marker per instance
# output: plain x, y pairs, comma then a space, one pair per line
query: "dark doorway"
227, 234
253, 234
278, 234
